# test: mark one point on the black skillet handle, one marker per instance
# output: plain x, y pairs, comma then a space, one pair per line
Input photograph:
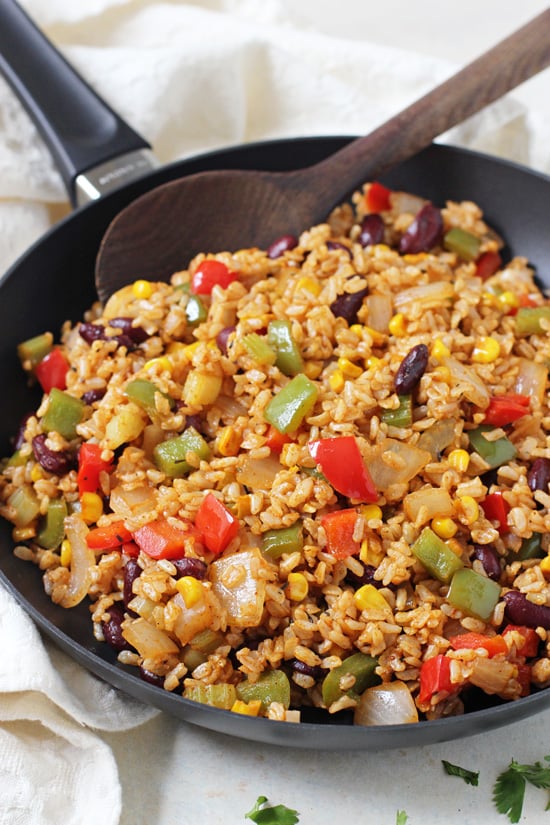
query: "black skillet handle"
93, 148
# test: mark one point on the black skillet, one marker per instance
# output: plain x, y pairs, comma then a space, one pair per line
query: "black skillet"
54, 281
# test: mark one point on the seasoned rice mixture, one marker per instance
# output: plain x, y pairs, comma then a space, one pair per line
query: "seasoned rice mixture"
315, 476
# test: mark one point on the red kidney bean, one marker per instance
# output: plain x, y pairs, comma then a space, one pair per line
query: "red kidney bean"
190, 567
538, 477
372, 230
194, 421
91, 332
136, 333
19, 439
332, 245
112, 630
132, 571
281, 245
58, 462
348, 305
152, 678
307, 670
519, 610
222, 338
367, 578
412, 368
490, 560
424, 232
92, 396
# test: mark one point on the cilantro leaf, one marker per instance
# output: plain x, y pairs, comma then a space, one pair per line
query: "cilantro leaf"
401, 818
537, 774
508, 793
271, 815
470, 777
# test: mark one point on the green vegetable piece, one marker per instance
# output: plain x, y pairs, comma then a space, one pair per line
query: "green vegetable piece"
400, 417
509, 788
193, 658
528, 320
170, 456
51, 531
272, 686
289, 358
63, 414
195, 311
469, 777
219, 696
17, 459
495, 453
143, 393
463, 243
33, 350
207, 641
259, 349
401, 818
284, 540
438, 559
292, 404
530, 549
474, 594
361, 666
26, 505
264, 814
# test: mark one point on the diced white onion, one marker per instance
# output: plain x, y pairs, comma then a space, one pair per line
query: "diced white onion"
82, 561
389, 704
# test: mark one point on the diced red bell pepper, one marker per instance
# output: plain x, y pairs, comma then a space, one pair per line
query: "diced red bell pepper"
339, 527
530, 646
216, 524
524, 678
276, 440
435, 676
527, 301
130, 548
496, 509
472, 641
160, 539
377, 198
209, 274
487, 264
108, 537
342, 465
90, 465
52, 371
504, 409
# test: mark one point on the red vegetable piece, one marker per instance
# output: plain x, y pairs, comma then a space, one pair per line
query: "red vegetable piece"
216, 524
524, 678
130, 549
435, 676
487, 264
377, 198
52, 371
342, 465
339, 527
504, 409
497, 509
210, 274
90, 465
530, 646
160, 539
472, 641
108, 537
276, 440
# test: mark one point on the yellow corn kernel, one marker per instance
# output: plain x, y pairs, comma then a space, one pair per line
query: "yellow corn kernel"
369, 598
459, 460
201, 389
396, 325
336, 381
91, 507
545, 564
161, 363
190, 589
142, 289
309, 284
251, 708
470, 509
415, 257
440, 351
313, 369
357, 329
243, 506
486, 351
66, 553
378, 338
507, 300
364, 551
444, 527
37, 472
348, 368
381, 248
229, 441
190, 349
370, 511
297, 587
372, 362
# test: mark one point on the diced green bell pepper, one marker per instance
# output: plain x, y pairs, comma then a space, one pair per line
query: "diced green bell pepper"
279, 337
528, 320
473, 594
33, 350
272, 686
26, 505
292, 404
63, 414
463, 243
438, 559
495, 453
195, 311
51, 531
531, 548
17, 459
284, 540
143, 393
207, 641
170, 456
361, 666
259, 349
400, 417
219, 696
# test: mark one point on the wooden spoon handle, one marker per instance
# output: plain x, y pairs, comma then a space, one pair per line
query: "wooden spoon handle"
509, 63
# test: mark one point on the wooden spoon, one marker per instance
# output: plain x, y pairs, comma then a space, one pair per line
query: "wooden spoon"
161, 231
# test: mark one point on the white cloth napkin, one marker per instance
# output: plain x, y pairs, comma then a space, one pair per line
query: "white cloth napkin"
189, 77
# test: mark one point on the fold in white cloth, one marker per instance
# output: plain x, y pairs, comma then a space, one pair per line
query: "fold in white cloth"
189, 77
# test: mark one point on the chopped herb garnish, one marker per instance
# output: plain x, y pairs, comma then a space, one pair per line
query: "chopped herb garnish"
401, 818
509, 788
470, 777
264, 814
